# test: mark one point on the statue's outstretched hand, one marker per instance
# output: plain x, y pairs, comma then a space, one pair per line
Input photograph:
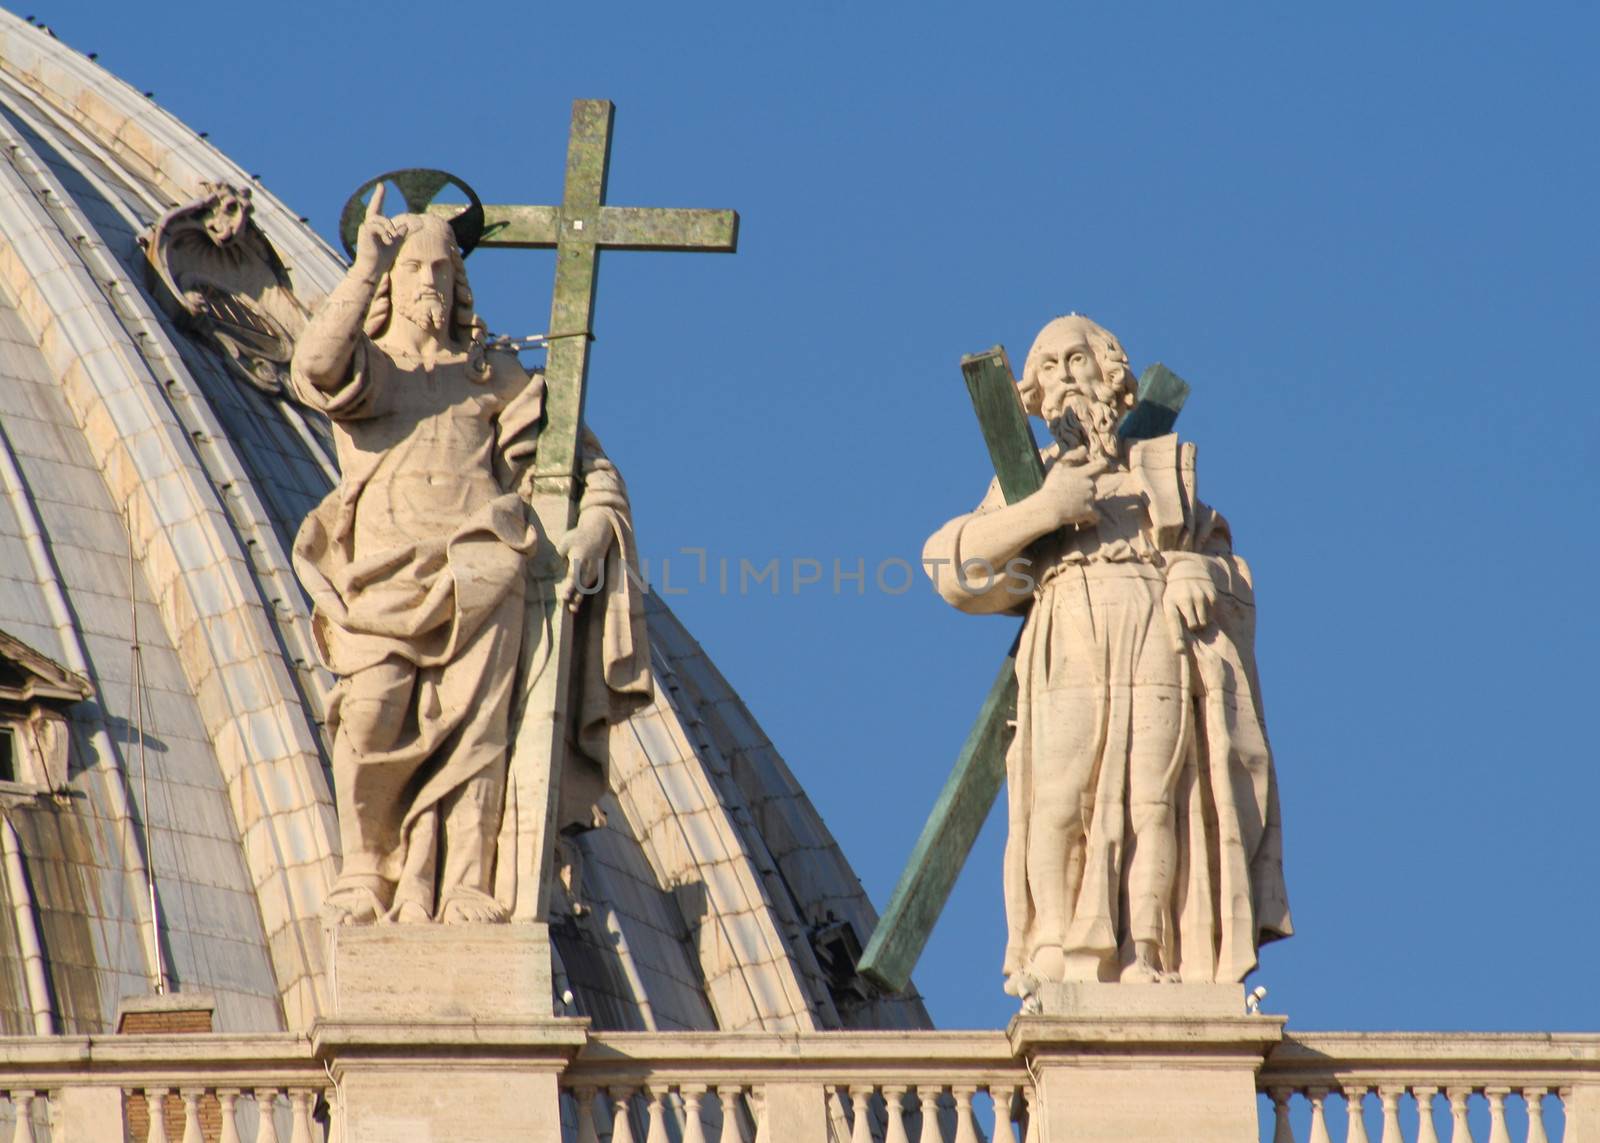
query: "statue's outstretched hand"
585, 548
1189, 600
378, 240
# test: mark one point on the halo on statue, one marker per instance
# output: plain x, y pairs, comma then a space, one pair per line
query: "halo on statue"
419, 187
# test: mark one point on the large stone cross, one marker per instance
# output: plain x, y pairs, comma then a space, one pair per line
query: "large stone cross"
577, 230
970, 791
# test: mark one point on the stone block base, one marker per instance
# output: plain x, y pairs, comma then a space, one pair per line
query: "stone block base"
1160, 1063
440, 972
433, 1102
444, 1032
1110, 1001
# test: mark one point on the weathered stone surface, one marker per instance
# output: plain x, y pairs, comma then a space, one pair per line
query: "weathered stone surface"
417, 568
1094, 1001
1137, 707
398, 973
1155, 1063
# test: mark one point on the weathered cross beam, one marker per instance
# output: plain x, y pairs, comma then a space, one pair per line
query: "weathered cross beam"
577, 230
970, 791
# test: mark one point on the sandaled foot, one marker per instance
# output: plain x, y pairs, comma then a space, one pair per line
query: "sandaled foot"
1140, 972
353, 904
411, 913
469, 907
1147, 967
1026, 989
1049, 963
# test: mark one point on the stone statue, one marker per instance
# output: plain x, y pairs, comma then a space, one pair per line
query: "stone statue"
416, 567
219, 277
1144, 839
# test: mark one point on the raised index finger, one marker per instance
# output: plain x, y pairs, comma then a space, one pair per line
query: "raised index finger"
375, 203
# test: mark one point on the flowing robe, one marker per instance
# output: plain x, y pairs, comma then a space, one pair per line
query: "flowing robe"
1095, 633
419, 558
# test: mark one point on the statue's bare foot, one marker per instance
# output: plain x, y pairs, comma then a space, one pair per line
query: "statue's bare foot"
411, 913
354, 903
469, 907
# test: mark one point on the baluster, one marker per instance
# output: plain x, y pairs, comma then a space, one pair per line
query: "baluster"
228, 1103
758, 1113
1498, 1131
966, 1128
1425, 1130
1281, 1131
861, 1117
583, 1097
928, 1096
657, 1132
266, 1115
1005, 1097
1355, 1100
191, 1114
1390, 1097
155, 1101
335, 1121
894, 1109
732, 1130
1319, 1124
621, 1124
1026, 1107
693, 1130
1534, 1098
1460, 1129
22, 1104
300, 1112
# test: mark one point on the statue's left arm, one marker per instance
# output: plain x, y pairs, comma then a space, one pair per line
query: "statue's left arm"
1193, 539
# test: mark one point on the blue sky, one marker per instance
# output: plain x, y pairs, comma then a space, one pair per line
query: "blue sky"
1365, 237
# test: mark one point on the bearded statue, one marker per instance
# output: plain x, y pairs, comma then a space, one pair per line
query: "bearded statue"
417, 568
1144, 842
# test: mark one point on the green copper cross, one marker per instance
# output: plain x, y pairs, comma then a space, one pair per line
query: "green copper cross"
970, 791
577, 230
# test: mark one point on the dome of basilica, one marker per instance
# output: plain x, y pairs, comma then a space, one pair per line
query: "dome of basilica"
164, 772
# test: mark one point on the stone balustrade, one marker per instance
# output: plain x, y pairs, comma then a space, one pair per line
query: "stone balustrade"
830, 1087
194, 1113
210, 1088
1527, 1088
861, 1087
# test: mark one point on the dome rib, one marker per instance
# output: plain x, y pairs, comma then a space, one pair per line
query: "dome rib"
108, 762
720, 905
209, 600
153, 339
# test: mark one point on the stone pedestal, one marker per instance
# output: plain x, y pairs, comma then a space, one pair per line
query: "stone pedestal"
445, 1032
497, 973
1153, 1062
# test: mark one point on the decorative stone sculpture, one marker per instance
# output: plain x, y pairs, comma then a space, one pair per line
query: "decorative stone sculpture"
1144, 838
218, 276
415, 564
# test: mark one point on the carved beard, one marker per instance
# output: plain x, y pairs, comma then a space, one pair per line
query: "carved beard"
1077, 420
426, 311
